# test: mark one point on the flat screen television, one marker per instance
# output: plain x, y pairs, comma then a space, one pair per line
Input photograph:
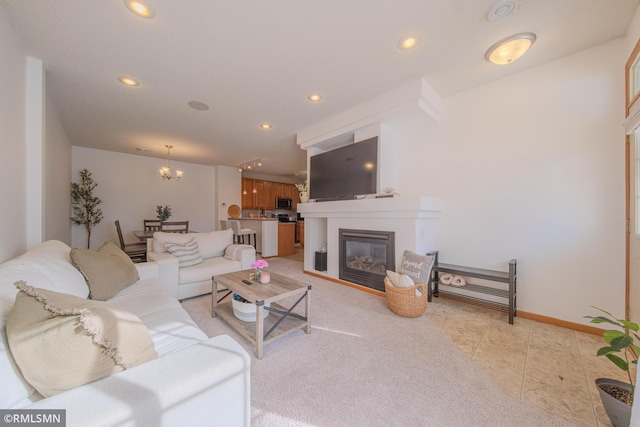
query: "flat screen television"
345, 172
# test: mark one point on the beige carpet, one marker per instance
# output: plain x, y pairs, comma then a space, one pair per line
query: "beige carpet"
364, 366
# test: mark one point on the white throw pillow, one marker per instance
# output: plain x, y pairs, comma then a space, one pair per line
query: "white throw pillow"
161, 238
187, 253
213, 244
47, 266
231, 252
400, 280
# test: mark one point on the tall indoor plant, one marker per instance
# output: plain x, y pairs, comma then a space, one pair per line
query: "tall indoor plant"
84, 204
617, 396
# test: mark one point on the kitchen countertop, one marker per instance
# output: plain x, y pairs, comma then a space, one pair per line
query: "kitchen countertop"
255, 219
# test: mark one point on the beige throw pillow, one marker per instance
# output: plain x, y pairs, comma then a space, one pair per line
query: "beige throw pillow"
107, 270
60, 341
400, 280
187, 253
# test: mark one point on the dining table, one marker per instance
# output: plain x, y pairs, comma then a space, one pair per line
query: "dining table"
143, 235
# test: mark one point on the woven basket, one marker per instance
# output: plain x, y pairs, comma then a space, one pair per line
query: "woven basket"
404, 302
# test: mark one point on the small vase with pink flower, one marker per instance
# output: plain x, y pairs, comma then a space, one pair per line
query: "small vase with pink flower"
260, 276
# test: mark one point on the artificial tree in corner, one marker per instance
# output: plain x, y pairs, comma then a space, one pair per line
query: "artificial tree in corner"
85, 205
617, 396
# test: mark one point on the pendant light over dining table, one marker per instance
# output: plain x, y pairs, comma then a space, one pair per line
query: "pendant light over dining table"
165, 172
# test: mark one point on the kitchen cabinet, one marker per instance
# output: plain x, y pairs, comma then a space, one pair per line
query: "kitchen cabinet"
286, 238
260, 196
279, 189
293, 191
300, 233
257, 193
253, 194
295, 198
270, 195
247, 193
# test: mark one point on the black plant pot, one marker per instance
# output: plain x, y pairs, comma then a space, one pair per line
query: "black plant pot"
619, 412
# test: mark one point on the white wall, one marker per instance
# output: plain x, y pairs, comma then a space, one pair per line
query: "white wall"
57, 178
228, 191
13, 161
130, 187
532, 167
35, 151
633, 34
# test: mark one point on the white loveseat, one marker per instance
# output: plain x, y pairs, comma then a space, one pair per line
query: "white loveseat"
219, 256
193, 381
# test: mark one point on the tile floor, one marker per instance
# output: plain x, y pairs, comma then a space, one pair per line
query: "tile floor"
549, 366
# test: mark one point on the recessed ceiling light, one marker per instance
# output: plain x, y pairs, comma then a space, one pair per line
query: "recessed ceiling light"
265, 125
197, 105
140, 8
314, 97
510, 49
128, 81
407, 43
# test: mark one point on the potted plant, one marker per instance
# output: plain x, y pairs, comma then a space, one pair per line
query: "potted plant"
303, 188
163, 212
617, 396
85, 205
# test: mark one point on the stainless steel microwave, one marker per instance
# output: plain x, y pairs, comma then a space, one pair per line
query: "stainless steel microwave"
283, 203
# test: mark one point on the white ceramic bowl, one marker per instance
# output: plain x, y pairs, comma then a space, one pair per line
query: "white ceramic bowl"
246, 311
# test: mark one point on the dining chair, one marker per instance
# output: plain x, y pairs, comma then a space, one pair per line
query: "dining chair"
174, 226
240, 233
136, 251
224, 224
152, 225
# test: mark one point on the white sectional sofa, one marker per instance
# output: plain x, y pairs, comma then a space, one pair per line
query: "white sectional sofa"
193, 381
219, 256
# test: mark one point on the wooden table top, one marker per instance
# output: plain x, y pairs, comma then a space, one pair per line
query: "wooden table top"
279, 286
143, 235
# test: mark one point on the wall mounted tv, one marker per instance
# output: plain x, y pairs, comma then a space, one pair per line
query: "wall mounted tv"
345, 172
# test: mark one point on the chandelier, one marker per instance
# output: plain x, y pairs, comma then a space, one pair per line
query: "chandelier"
165, 172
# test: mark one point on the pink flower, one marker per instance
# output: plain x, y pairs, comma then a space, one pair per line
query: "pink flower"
260, 264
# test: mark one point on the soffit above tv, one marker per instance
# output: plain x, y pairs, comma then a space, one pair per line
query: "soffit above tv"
335, 142
415, 97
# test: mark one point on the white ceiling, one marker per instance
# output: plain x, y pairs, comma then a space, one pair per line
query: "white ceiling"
256, 61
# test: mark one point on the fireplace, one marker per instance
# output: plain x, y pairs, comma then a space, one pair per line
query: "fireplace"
365, 256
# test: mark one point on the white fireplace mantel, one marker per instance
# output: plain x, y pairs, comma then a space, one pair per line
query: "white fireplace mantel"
411, 218
384, 207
